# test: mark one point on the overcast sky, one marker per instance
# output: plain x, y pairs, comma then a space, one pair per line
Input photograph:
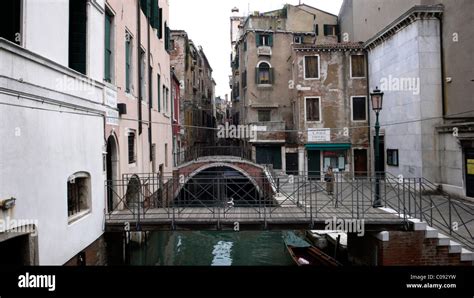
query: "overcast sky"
207, 24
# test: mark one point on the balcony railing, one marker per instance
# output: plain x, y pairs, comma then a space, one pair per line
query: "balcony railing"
264, 51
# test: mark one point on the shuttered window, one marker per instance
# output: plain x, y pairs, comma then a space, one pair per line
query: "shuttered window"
311, 65
128, 61
357, 66
10, 20
159, 93
264, 115
108, 47
264, 39
359, 108
131, 147
77, 35
312, 109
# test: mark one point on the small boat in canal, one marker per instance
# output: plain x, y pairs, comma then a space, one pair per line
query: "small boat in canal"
304, 254
312, 256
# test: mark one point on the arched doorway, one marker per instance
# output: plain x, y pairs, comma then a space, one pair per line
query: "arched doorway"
112, 172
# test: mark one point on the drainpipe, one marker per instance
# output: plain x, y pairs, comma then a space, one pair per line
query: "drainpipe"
150, 99
443, 97
368, 107
139, 102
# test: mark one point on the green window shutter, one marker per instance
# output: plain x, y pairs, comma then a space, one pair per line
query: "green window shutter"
327, 30
155, 16
108, 48
145, 5
127, 66
159, 93
160, 23
270, 40
271, 75
256, 76
257, 40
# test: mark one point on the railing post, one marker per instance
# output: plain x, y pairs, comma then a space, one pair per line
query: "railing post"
450, 219
310, 204
421, 199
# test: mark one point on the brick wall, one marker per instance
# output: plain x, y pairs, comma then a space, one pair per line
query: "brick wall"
409, 248
95, 254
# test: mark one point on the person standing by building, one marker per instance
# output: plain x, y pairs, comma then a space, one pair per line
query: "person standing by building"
329, 178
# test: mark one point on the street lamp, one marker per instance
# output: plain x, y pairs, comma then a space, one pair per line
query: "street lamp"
376, 98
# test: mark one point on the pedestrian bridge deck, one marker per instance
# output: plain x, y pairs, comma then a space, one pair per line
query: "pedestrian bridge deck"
247, 218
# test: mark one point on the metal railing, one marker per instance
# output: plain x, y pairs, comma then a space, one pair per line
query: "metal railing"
301, 198
194, 153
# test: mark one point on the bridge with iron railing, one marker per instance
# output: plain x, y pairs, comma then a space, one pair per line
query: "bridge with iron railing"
221, 197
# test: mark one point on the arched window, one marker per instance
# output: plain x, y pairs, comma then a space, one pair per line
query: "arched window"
264, 74
78, 193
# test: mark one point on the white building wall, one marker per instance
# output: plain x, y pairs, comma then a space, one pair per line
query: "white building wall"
412, 53
42, 148
45, 29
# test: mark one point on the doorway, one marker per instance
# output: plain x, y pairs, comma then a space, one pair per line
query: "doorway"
469, 162
269, 155
292, 163
360, 162
380, 166
112, 171
314, 164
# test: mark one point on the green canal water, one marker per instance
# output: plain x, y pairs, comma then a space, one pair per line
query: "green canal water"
210, 248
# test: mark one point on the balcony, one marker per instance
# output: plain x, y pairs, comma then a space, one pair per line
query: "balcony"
270, 132
264, 51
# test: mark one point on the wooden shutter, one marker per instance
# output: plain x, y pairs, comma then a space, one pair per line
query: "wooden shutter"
155, 15
160, 29
257, 80
327, 30
159, 93
271, 75
258, 41
108, 47
270, 40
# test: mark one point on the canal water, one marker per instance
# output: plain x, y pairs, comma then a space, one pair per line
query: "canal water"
207, 248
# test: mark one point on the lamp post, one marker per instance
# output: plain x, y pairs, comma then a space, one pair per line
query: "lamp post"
376, 98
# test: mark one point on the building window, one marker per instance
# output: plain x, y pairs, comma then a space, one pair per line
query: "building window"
108, 47
166, 99
78, 193
128, 62
10, 17
264, 115
78, 35
359, 108
330, 30
335, 159
357, 66
166, 155
264, 74
132, 158
313, 109
298, 39
244, 79
311, 67
142, 74
264, 40
392, 157
159, 93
